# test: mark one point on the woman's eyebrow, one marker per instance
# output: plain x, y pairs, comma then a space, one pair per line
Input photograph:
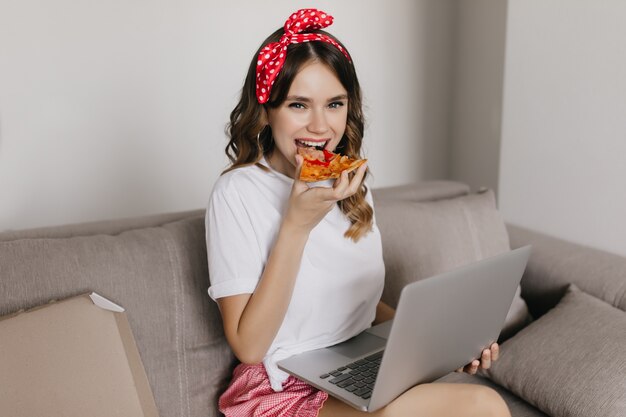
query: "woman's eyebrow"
339, 97
308, 100
299, 98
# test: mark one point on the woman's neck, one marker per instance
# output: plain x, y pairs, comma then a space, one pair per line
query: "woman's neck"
279, 163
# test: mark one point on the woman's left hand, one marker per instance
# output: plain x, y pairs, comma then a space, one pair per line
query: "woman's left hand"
488, 356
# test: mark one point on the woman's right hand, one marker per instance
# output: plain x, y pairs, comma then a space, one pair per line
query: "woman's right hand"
308, 205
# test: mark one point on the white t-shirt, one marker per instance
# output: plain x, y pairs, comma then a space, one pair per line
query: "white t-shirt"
339, 282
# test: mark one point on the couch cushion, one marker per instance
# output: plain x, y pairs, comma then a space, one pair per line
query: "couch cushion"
571, 361
157, 273
555, 263
422, 239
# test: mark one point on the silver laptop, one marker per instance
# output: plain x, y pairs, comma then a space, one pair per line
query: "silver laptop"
441, 323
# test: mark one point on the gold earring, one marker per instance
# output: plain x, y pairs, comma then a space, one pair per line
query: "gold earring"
258, 140
258, 135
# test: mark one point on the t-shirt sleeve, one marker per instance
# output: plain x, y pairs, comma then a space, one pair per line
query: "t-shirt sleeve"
234, 257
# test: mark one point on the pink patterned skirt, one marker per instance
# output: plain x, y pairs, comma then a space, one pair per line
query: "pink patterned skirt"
250, 395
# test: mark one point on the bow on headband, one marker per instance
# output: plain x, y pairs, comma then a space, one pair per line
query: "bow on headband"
272, 57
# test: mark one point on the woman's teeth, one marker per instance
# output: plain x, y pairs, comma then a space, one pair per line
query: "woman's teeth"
310, 143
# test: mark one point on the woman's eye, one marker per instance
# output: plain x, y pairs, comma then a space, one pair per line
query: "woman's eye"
336, 104
296, 105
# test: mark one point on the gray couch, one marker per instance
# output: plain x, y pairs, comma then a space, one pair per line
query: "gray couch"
155, 267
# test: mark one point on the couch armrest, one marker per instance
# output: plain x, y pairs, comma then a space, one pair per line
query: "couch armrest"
555, 263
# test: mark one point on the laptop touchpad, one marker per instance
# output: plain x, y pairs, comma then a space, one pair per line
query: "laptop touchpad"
359, 345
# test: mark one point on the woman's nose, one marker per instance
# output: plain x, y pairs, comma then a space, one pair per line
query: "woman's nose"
318, 123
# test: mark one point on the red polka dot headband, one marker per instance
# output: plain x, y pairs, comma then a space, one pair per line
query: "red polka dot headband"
272, 57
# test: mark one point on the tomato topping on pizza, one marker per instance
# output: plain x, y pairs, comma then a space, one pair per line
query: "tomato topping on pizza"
322, 164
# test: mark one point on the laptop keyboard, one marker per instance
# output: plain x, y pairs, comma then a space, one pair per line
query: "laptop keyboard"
357, 377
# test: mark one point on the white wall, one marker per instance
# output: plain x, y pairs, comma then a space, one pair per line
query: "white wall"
563, 158
476, 108
115, 109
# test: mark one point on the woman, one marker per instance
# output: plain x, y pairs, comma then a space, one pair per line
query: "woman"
297, 266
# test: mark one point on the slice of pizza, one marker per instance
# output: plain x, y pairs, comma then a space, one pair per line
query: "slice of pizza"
321, 165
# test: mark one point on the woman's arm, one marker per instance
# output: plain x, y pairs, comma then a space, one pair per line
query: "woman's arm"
383, 313
251, 321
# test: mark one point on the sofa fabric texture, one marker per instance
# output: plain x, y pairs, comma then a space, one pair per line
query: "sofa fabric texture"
156, 268
437, 236
158, 273
588, 336
556, 263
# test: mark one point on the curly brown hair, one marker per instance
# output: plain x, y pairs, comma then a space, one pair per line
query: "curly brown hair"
251, 137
